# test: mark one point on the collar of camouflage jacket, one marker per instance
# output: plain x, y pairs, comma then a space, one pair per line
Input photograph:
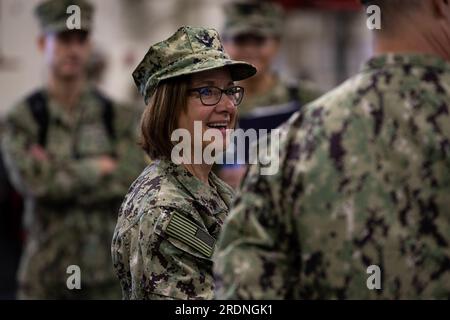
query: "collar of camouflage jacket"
407, 61
207, 196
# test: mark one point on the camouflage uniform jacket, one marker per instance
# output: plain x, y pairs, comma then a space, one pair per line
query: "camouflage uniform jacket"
74, 206
364, 180
166, 232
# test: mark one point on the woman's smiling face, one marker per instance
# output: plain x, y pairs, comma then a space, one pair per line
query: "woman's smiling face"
220, 117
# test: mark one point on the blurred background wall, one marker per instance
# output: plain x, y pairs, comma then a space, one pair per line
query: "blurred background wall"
325, 41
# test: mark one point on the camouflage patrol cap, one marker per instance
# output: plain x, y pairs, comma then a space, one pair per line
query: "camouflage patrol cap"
263, 18
189, 50
53, 15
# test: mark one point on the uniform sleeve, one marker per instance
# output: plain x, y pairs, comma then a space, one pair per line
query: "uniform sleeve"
178, 261
58, 179
252, 259
152, 264
130, 157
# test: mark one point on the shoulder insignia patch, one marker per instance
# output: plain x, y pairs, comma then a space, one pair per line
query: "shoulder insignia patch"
188, 232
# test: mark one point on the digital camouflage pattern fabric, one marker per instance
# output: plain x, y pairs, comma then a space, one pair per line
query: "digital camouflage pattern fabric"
75, 208
53, 15
364, 180
187, 51
166, 231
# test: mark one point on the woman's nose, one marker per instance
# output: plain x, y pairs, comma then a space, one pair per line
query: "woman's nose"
225, 104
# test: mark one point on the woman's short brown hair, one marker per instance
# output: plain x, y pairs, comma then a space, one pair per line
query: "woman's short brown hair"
161, 116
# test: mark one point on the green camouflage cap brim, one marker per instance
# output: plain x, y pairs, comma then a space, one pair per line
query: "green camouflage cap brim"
53, 15
188, 51
261, 18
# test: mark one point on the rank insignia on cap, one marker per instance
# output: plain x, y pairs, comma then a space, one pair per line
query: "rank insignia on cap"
207, 41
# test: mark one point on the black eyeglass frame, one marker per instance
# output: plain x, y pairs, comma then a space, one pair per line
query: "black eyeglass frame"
222, 91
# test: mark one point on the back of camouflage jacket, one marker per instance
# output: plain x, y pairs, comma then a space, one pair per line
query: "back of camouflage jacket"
363, 186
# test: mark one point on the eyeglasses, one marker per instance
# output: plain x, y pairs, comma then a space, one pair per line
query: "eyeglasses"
210, 95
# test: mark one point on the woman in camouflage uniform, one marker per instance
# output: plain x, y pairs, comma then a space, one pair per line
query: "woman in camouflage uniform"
171, 217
